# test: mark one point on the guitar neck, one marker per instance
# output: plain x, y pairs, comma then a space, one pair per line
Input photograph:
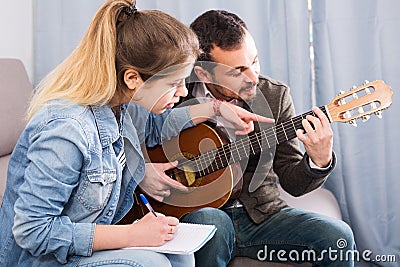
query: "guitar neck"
236, 151
286, 130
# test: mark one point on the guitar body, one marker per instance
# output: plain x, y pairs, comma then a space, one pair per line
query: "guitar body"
212, 190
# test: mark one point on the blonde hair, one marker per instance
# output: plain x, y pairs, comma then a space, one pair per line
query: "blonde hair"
148, 41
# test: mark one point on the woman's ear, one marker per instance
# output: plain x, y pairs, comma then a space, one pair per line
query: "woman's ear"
132, 79
202, 74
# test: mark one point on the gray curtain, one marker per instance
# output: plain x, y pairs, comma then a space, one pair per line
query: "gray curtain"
355, 41
58, 27
280, 29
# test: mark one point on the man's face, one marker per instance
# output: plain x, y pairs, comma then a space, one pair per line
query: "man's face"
236, 75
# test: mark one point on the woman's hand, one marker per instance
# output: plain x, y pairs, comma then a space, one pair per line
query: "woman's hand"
157, 184
241, 118
148, 231
153, 231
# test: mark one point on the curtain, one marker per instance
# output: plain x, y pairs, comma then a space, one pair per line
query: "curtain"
356, 41
58, 27
280, 29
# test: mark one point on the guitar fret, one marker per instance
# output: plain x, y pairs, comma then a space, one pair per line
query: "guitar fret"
273, 140
212, 167
219, 156
290, 130
215, 162
266, 138
226, 157
201, 165
252, 149
228, 153
237, 150
212, 161
209, 161
276, 137
258, 141
283, 128
282, 132
244, 148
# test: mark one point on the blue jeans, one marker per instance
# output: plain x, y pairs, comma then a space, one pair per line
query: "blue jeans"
136, 258
290, 235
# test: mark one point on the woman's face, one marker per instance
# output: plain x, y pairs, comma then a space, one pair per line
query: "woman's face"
163, 90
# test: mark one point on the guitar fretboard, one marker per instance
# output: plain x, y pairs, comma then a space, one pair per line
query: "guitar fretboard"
236, 151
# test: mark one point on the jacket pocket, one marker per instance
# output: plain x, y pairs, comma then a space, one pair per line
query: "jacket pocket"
96, 189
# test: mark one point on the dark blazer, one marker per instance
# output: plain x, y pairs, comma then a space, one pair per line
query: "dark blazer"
285, 164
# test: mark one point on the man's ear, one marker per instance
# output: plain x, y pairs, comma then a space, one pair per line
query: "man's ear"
132, 79
202, 74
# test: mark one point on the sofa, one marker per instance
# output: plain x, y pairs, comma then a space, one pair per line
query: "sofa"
15, 92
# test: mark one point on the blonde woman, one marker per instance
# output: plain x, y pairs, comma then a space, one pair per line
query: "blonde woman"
68, 183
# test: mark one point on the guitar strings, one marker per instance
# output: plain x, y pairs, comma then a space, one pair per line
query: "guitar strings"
267, 132
248, 142
212, 156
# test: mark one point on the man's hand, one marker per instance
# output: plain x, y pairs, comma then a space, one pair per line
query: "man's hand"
317, 138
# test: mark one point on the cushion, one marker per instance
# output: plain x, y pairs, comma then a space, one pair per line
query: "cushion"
3, 174
15, 90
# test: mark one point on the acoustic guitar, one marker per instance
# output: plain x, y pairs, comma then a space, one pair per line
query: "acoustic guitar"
206, 158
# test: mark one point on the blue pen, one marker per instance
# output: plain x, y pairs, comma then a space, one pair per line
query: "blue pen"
146, 202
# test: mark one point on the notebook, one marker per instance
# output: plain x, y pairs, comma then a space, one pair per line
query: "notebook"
189, 239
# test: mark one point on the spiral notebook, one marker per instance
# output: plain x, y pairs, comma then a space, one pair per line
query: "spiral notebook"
189, 239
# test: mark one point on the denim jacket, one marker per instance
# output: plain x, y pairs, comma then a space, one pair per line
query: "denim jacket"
64, 177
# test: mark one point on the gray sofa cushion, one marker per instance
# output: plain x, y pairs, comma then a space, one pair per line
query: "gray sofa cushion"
3, 174
15, 92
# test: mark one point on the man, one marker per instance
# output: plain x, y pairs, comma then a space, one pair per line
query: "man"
258, 222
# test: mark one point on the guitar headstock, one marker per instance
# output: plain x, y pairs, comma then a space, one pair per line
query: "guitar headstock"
360, 102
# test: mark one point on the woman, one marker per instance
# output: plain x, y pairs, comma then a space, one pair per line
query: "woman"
68, 184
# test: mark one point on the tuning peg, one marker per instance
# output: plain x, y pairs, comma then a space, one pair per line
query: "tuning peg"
347, 114
353, 122
378, 114
342, 102
360, 110
341, 92
366, 82
364, 118
353, 87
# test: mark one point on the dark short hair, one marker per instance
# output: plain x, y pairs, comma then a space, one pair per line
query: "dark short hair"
220, 28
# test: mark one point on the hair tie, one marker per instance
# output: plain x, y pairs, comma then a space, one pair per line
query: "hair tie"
130, 10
